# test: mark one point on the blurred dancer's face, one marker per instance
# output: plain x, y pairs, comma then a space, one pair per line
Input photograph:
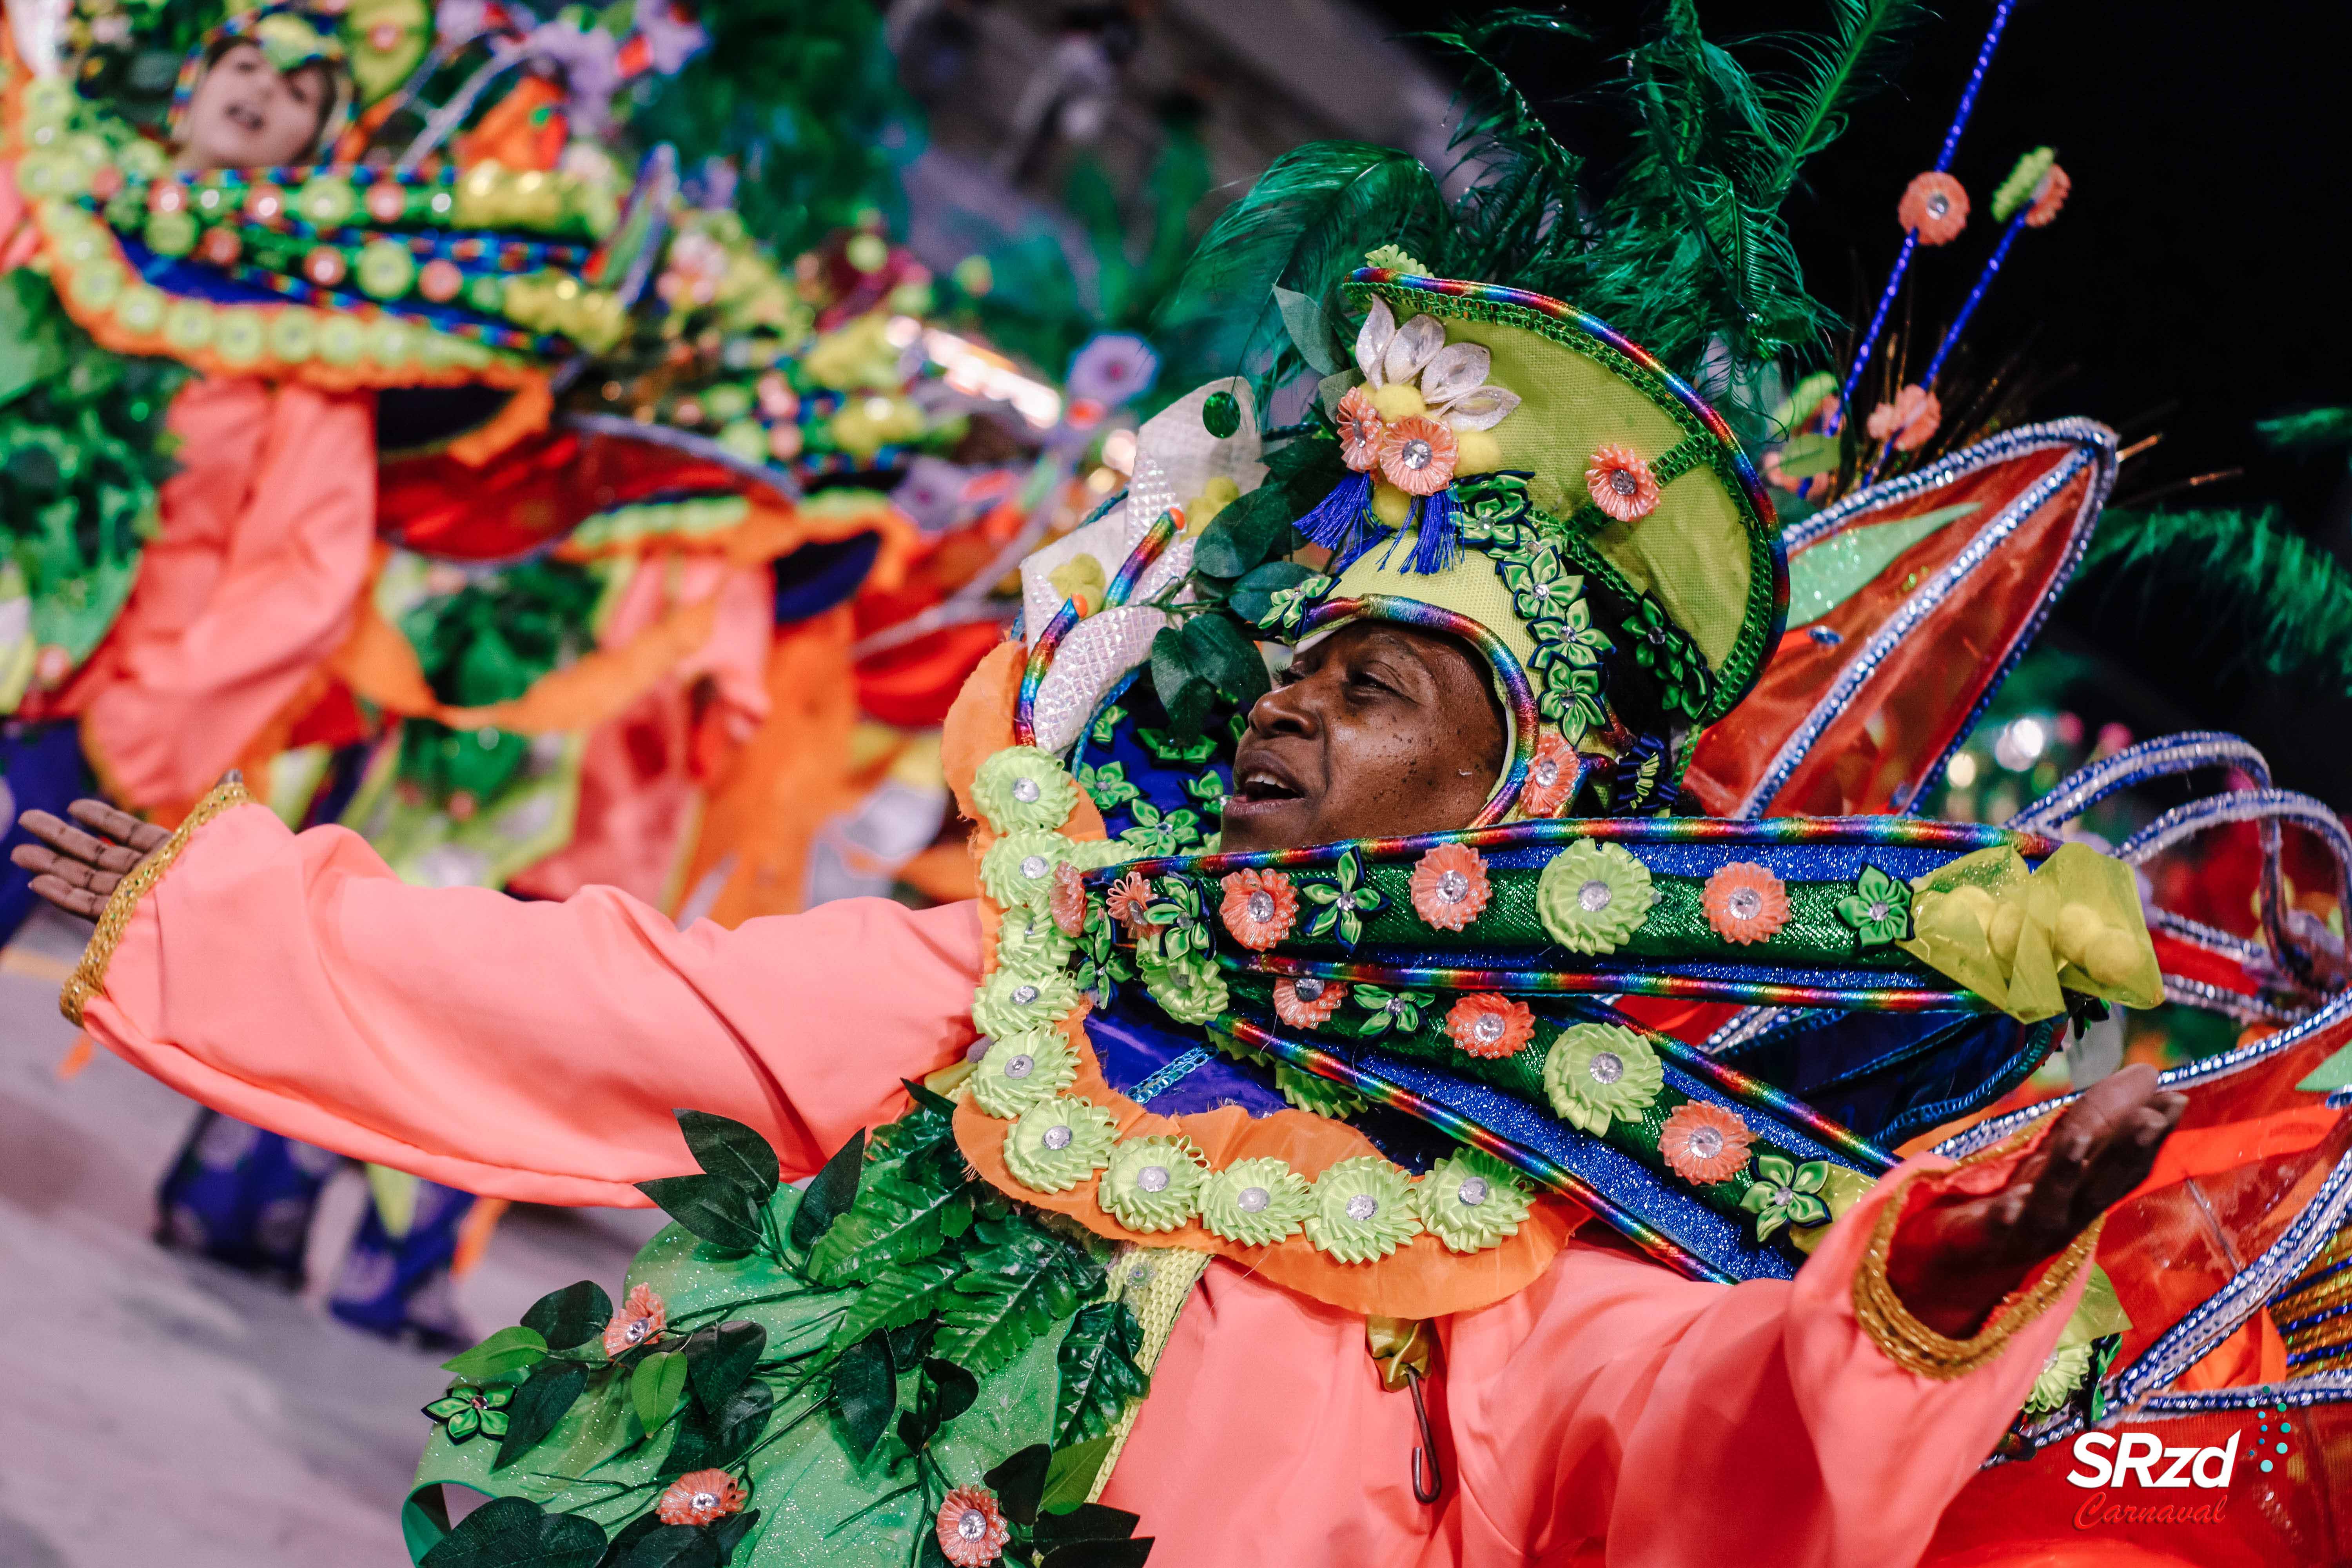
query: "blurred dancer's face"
245, 114
1376, 732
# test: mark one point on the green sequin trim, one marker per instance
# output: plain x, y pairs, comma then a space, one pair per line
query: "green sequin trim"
1022, 786
1018, 869
1022, 1070
1152, 1184
1593, 895
1255, 1202
1058, 1142
1363, 1210
1471, 1201
1597, 1073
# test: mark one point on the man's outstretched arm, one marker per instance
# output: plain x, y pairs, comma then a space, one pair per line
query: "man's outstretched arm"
524, 1050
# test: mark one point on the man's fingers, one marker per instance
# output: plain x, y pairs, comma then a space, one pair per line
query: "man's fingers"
73, 844
143, 837
73, 901
2078, 1145
2129, 1156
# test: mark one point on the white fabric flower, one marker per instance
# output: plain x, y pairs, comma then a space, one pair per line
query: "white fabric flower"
1452, 376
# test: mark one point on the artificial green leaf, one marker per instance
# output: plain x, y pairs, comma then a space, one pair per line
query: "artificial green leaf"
1010, 1293
896, 1297
1216, 648
947, 1392
1099, 1554
831, 1193
893, 1221
712, 1440
542, 1402
1098, 1372
865, 1392
721, 1213
655, 1386
732, 1152
1171, 669
509, 1350
1242, 536
571, 1316
1019, 1482
720, 1358
1072, 1474
1087, 1521
673, 1546
1252, 597
514, 1533
728, 1532
1304, 320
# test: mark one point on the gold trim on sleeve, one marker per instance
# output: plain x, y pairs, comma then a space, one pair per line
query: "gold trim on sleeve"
89, 977
1912, 1345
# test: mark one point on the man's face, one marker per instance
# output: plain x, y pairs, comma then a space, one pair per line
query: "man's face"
1376, 732
246, 115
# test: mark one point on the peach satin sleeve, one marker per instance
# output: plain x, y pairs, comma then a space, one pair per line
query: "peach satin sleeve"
521, 1050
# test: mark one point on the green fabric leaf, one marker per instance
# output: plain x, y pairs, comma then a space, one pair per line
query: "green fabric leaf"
571, 1316
721, 1213
896, 1297
673, 1546
892, 1221
1215, 647
1009, 1293
1098, 1372
538, 1405
1309, 329
508, 1352
512, 1533
1252, 597
731, 1152
865, 1392
720, 1358
1087, 1521
1099, 1554
1244, 533
1072, 1474
655, 1386
947, 1392
832, 1191
728, 1533
1019, 1482
713, 1440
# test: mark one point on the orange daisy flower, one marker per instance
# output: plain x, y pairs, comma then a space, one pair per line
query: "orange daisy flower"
1069, 901
1552, 773
1703, 1143
973, 1530
1361, 430
1491, 1026
1449, 887
1417, 455
1745, 902
1126, 900
1306, 1004
1935, 207
1259, 907
1619, 484
701, 1496
1909, 421
2048, 197
640, 1321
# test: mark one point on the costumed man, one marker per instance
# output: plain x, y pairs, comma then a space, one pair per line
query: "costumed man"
1550, 561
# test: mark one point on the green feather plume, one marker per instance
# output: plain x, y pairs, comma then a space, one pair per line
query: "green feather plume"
2312, 430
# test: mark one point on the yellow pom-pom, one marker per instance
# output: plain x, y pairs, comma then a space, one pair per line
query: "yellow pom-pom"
2079, 926
1390, 504
1976, 901
2008, 925
1396, 401
1477, 452
1218, 493
2112, 958
1081, 578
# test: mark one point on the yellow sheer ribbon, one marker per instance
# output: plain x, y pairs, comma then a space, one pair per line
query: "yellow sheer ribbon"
2021, 939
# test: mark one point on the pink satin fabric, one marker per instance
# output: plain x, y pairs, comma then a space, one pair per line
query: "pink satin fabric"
266, 541
535, 1052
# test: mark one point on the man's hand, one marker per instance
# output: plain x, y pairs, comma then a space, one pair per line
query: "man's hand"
79, 871
1957, 1255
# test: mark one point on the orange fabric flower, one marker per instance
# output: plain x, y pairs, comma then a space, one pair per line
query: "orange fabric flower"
640, 1321
2049, 196
1909, 421
1069, 901
1259, 907
1552, 773
1745, 902
1488, 1024
1935, 207
701, 1496
1449, 887
1126, 900
1619, 484
1703, 1143
973, 1530
1306, 1004
1417, 455
1361, 430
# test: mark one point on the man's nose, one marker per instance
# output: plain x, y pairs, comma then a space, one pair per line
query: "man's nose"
1287, 710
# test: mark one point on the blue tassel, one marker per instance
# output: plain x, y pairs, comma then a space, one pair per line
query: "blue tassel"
1338, 518
1433, 549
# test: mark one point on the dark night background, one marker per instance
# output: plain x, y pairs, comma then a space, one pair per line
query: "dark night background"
2190, 286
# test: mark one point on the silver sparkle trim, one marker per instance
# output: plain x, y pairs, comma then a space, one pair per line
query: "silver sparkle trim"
1025, 790
1152, 1178
1036, 865
1023, 994
1363, 1206
1593, 897
1471, 1192
1021, 1067
1608, 1067
1253, 1200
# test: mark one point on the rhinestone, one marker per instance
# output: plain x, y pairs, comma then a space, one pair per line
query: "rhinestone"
1023, 994
1487, 1030
1782, 1197
1622, 481
1608, 1067
636, 1330
704, 1499
1034, 867
1058, 1137
1546, 773
1253, 1200
1594, 896
1025, 790
1415, 456
1878, 910
1020, 1065
1307, 990
1363, 1206
1261, 907
1707, 1143
1938, 205
1152, 1178
971, 1524
1746, 903
1473, 1191
1452, 886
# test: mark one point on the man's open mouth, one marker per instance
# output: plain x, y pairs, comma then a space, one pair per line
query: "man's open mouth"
244, 118
1259, 782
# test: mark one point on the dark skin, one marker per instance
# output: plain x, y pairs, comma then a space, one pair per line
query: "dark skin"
1380, 730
